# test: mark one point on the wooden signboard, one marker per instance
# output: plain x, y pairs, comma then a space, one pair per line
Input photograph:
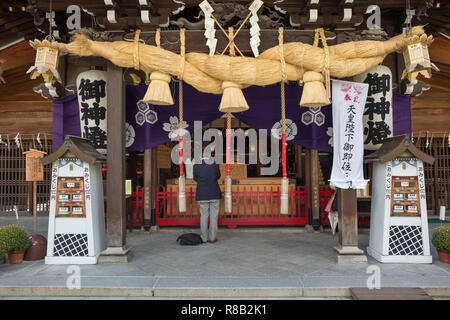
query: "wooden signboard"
405, 196
33, 166
34, 171
163, 156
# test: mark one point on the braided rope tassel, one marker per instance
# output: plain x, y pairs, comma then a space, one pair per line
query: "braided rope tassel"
284, 200
181, 183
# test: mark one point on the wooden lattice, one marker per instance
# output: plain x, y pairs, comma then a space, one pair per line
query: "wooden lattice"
14, 190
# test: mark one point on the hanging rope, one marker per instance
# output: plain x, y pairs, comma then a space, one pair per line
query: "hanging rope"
181, 183
158, 37
319, 32
284, 200
283, 100
180, 104
136, 50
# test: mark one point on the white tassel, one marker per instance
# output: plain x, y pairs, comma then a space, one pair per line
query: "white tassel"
3, 142
38, 138
16, 139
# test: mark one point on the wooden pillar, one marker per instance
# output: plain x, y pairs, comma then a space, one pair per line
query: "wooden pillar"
148, 195
308, 180
315, 203
298, 162
154, 179
436, 179
115, 213
348, 222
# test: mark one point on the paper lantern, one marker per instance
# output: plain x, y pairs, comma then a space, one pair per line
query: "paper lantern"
46, 62
417, 58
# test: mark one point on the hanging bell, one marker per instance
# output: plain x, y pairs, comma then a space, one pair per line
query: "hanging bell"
158, 91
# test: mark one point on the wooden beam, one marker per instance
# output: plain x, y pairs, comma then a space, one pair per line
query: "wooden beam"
115, 214
196, 42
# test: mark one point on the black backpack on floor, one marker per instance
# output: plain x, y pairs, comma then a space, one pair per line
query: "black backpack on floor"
189, 239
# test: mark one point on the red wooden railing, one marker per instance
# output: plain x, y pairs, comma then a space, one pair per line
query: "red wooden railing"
262, 208
135, 217
251, 206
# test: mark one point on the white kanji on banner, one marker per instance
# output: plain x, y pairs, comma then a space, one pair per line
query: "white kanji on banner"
349, 99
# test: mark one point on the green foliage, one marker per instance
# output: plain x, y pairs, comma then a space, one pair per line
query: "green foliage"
13, 238
3, 243
441, 238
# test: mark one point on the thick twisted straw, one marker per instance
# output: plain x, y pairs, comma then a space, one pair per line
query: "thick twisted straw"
206, 73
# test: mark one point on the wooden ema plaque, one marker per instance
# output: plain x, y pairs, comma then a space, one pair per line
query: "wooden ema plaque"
70, 197
405, 196
34, 170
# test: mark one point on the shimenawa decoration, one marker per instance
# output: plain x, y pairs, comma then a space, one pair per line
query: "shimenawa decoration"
213, 74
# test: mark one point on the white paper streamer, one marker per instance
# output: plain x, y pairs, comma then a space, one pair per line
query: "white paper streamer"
38, 138
254, 29
210, 32
16, 139
1, 141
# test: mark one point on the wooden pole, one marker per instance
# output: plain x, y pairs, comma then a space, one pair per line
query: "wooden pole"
34, 206
116, 222
298, 162
348, 217
315, 204
148, 195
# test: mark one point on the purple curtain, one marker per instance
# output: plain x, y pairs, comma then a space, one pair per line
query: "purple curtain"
148, 125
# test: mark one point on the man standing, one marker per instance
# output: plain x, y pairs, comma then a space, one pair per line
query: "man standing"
208, 195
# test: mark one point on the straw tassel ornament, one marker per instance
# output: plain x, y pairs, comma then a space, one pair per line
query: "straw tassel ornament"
314, 93
181, 179
158, 91
284, 199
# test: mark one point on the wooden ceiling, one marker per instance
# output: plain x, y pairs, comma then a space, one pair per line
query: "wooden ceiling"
21, 109
431, 110
26, 19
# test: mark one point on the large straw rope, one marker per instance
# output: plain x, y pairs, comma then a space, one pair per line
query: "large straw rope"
206, 73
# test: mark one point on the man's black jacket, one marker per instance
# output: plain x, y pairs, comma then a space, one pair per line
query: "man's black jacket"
206, 176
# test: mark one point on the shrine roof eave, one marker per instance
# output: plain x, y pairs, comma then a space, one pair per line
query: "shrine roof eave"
395, 147
80, 147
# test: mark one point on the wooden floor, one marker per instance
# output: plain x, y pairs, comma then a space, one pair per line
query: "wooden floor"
389, 294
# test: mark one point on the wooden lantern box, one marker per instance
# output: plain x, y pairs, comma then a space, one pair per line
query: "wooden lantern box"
398, 223
76, 227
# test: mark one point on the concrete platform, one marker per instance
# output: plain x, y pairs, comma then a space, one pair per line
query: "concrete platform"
245, 262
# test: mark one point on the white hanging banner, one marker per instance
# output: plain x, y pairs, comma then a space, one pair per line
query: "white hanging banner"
349, 99
378, 114
91, 90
